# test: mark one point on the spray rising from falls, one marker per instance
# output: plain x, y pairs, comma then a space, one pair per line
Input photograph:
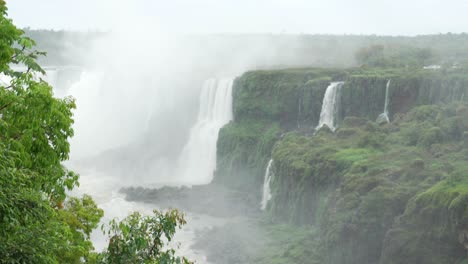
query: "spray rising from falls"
329, 106
266, 195
384, 116
198, 158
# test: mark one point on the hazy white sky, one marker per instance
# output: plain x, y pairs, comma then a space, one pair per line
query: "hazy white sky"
389, 17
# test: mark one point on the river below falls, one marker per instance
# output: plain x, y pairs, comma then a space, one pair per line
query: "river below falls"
105, 191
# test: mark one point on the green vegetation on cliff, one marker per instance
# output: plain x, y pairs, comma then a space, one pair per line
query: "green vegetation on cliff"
368, 184
269, 103
389, 193
243, 149
266, 104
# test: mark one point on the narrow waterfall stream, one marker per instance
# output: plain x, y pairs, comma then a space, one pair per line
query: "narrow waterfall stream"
266, 194
384, 116
329, 106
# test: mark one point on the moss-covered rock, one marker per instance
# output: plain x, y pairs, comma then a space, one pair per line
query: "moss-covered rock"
355, 187
427, 87
433, 227
358, 186
304, 171
267, 104
353, 121
284, 96
363, 96
243, 150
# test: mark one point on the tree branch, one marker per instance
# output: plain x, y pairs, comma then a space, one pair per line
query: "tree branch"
6, 105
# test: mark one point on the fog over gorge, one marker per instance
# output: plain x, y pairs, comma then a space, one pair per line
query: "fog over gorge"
234, 132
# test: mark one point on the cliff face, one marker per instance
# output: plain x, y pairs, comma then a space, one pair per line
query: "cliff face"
269, 103
363, 93
393, 193
433, 228
266, 104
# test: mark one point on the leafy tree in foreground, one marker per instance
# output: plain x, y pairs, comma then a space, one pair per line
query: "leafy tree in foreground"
143, 239
38, 222
36, 225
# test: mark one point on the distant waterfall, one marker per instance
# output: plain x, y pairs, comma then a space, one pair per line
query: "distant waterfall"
266, 195
329, 107
384, 115
198, 159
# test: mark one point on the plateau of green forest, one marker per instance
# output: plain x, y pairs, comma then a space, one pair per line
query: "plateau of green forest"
390, 190
369, 192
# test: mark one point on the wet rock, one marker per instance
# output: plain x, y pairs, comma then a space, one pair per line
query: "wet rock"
346, 132
352, 121
382, 119
212, 199
324, 130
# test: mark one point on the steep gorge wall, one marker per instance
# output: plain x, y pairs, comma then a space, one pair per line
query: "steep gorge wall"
425, 88
267, 104
354, 186
363, 94
355, 183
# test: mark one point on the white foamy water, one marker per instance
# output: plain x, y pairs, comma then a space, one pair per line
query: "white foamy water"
104, 190
384, 115
329, 106
111, 112
197, 161
104, 119
266, 193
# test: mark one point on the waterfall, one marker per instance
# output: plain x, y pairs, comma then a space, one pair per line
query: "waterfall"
384, 116
329, 106
198, 159
266, 194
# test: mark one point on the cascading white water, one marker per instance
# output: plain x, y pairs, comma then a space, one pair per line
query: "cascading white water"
196, 163
198, 159
329, 107
384, 115
108, 113
266, 194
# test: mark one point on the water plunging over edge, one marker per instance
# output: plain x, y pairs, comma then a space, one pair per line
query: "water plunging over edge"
384, 115
215, 111
329, 107
197, 161
266, 194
